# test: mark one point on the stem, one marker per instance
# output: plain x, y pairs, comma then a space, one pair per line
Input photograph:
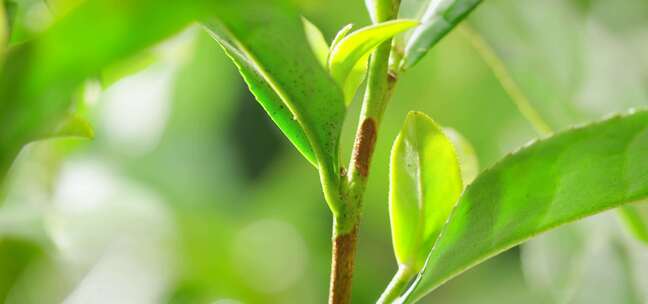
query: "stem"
380, 85
397, 286
344, 250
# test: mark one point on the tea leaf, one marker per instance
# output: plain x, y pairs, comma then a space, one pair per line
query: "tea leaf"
346, 54
269, 46
437, 18
561, 179
359, 71
425, 183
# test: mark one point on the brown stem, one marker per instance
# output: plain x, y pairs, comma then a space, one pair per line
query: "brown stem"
344, 252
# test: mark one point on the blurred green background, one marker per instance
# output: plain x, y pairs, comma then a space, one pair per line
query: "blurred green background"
190, 194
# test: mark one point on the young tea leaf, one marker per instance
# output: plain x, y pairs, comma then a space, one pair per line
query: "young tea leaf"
316, 41
554, 181
348, 52
425, 183
437, 18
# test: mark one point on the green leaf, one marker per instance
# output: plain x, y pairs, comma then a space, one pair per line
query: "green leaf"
348, 52
267, 42
437, 18
425, 183
635, 218
267, 97
316, 41
554, 181
129, 66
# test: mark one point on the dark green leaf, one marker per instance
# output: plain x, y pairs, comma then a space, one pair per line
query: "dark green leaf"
554, 181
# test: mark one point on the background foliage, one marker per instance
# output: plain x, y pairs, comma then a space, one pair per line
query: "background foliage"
189, 194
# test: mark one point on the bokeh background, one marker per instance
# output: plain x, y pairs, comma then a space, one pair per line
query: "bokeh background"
189, 194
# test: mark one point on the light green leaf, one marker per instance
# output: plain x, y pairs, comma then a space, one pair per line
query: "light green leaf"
437, 18
355, 79
316, 41
346, 54
425, 183
267, 42
357, 74
340, 35
554, 181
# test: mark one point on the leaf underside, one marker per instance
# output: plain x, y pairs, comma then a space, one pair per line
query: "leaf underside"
554, 181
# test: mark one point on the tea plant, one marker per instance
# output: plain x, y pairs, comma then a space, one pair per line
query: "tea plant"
440, 226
